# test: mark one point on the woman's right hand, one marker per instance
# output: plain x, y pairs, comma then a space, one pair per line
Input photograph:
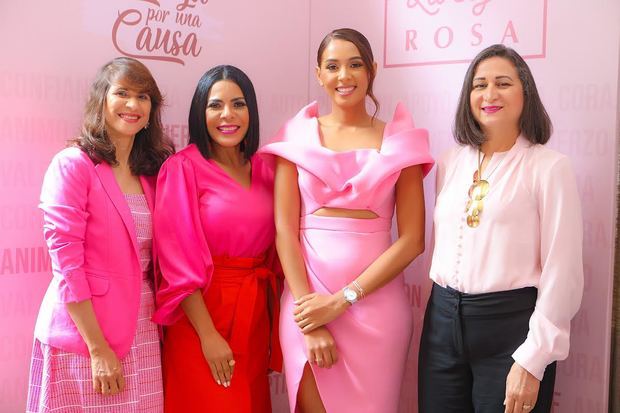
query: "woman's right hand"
107, 371
218, 354
321, 347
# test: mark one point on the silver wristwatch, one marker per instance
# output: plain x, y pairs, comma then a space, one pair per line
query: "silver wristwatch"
350, 295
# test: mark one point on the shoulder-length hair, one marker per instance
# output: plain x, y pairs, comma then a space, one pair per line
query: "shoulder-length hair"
363, 45
198, 133
150, 147
534, 123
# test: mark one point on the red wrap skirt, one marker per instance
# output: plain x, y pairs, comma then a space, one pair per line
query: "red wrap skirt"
243, 301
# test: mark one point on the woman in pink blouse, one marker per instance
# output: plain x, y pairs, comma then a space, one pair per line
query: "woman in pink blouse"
507, 261
95, 347
217, 294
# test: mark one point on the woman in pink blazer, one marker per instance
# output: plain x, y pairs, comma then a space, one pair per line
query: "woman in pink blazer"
95, 347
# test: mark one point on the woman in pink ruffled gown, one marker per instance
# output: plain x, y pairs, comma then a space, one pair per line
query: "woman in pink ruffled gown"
345, 323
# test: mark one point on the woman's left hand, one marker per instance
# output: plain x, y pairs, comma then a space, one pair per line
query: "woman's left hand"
521, 390
315, 310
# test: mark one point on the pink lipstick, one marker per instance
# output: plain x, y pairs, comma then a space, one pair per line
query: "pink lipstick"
491, 109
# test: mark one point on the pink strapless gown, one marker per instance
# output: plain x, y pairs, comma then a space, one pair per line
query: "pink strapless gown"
373, 335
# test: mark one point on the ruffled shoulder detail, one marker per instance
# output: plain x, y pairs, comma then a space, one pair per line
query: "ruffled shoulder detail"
299, 129
296, 140
403, 145
401, 120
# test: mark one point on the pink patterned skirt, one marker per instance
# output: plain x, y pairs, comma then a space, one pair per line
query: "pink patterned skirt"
62, 382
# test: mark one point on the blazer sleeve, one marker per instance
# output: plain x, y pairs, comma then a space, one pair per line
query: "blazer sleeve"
183, 255
64, 196
561, 281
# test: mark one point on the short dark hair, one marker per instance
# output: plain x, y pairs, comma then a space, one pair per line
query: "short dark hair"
150, 147
198, 133
363, 45
534, 123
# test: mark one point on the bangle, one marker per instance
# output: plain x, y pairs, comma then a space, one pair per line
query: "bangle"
359, 288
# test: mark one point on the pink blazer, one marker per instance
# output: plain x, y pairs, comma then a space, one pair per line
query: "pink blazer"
92, 243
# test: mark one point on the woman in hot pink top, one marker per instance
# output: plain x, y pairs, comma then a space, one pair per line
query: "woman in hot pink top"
507, 261
218, 295
345, 323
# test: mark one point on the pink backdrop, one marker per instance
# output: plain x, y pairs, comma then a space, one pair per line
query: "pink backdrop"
50, 54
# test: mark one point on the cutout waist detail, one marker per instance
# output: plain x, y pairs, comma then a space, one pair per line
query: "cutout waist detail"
345, 213
330, 223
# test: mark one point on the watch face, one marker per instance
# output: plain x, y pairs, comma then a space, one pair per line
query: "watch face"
350, 295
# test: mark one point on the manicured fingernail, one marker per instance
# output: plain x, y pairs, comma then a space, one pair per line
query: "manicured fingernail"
219, 382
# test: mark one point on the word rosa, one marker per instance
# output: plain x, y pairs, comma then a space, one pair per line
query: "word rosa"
444, 36
169, 43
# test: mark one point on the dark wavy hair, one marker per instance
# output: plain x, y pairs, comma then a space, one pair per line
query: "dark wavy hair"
534, 123
150, 147
363, 45
198, 133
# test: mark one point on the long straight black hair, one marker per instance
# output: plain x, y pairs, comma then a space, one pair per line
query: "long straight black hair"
198, 133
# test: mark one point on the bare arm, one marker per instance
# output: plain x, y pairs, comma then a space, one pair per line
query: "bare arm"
287, 212
106, 369
320, 345
196, 311
410, 243
215, 349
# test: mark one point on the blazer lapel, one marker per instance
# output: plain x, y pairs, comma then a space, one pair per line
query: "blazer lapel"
148, 186
108, 181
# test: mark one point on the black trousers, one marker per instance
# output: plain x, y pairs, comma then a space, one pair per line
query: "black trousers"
466, 350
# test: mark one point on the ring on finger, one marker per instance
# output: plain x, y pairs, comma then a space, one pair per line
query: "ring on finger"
231, 363
527, 407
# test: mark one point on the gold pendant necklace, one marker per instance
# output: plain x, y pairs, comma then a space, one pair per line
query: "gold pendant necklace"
477, 191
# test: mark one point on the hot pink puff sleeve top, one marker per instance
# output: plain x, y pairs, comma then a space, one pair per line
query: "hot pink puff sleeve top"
356, 179
200, 213
530, 235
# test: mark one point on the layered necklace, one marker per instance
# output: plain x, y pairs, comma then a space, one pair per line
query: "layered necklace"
477, 191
